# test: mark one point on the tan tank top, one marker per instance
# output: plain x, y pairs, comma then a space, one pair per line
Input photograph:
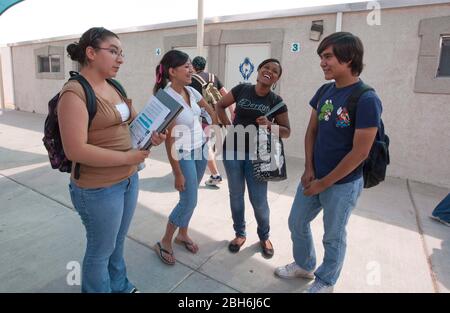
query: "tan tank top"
106, 131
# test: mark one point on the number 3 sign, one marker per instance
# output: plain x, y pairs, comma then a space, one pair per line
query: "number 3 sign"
295, 47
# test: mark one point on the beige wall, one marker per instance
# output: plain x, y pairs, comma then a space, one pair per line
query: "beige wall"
32, 94
418, 123
7, 78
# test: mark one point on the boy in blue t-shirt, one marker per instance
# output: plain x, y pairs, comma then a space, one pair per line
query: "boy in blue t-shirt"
335, 148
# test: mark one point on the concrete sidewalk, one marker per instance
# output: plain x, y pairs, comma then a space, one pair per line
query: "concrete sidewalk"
393, 246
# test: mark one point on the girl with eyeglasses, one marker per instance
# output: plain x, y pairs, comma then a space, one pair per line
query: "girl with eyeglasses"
106, 191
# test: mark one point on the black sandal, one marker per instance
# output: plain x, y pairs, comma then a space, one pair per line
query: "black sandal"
234, 248
267, 252
160, 254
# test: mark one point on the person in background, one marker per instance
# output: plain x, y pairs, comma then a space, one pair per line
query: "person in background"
198, 79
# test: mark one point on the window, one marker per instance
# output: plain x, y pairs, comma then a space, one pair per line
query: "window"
444, 62
433, 67
49, 64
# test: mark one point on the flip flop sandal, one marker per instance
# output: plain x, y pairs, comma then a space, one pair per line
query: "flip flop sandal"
160, 250
190, 246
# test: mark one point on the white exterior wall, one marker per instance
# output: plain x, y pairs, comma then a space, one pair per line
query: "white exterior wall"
7, 77
32, 94
417, 123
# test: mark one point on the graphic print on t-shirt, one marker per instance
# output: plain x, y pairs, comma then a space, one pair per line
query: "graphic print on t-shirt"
343, 118
325, 111
246, 104
337, 125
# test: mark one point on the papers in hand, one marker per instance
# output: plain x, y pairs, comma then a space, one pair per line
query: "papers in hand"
157, 115
147, 121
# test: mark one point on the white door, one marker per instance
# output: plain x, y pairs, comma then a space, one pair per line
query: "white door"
242, 62
192, 52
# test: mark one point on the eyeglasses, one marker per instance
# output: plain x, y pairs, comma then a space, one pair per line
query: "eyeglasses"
114, 52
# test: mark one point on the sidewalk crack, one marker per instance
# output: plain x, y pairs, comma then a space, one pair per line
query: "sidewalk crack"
193, 269
422, 238
38, 192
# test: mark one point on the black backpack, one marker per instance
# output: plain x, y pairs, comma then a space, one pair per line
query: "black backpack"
374, 167
52, 137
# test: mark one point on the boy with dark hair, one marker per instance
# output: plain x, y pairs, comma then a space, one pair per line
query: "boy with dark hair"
199, 79
336, 144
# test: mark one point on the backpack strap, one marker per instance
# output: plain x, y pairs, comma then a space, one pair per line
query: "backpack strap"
353, 99
321, 92
91, 106
91, 101
199, 79
117, 86
73, 73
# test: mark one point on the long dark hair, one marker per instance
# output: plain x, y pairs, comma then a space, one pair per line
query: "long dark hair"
171, 59
93, 37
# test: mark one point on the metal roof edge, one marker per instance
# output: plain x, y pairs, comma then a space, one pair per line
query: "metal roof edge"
318, 10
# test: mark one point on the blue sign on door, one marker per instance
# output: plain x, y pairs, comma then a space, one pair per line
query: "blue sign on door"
246, 68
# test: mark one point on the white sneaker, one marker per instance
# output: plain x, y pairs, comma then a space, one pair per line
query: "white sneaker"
293, 271
439, 220
213, 180
319, 287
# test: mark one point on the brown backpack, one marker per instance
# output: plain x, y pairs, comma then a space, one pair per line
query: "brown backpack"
209, 92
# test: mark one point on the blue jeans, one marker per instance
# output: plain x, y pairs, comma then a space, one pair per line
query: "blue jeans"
442, 210
239, 172
337, 202
193, 165
106, 214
